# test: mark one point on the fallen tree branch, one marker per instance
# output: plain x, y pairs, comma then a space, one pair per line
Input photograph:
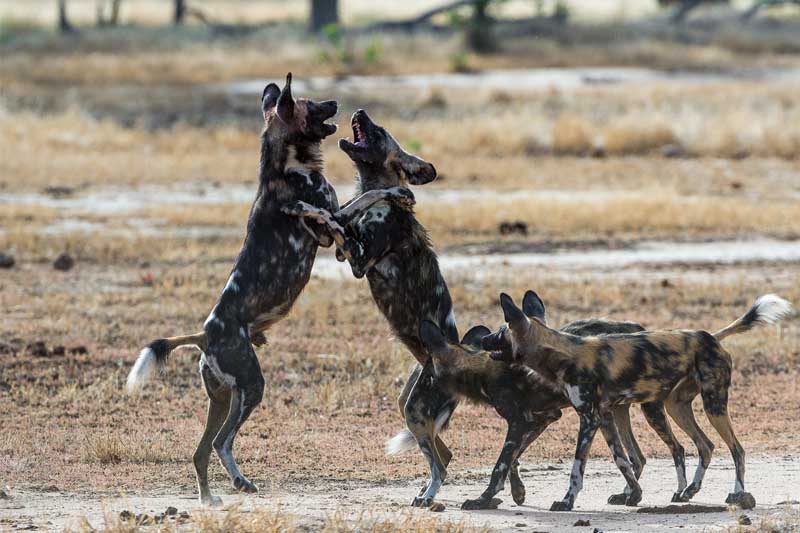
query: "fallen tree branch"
756, 7
411, 23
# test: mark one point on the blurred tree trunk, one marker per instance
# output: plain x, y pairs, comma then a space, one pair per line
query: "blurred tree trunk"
63, 21
113, 16
480, 35
323, 12
180, 12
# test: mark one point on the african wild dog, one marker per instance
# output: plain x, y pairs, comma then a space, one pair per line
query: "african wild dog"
600, 372
271, 270
392, 248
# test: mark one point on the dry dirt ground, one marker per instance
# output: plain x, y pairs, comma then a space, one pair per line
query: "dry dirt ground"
774, 482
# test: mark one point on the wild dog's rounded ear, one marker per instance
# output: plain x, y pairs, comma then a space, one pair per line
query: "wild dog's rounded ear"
269, 98
286, 101
533, 306
431, 336
511, 313
417, 170
474, 337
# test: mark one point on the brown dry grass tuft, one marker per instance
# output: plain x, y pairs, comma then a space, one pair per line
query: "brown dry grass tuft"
638, 137
572, 135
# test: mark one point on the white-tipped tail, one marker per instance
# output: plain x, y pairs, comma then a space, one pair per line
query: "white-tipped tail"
142, 370
401, 443
441, 420
771, 308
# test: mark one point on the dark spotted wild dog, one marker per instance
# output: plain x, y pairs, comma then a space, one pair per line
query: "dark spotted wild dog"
271, 270
392, 248
601, 372
529, 403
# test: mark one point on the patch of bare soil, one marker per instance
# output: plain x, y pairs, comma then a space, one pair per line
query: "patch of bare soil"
772, 480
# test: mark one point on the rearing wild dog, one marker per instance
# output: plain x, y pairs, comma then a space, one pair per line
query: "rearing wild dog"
598, 373
272, 268
392, 248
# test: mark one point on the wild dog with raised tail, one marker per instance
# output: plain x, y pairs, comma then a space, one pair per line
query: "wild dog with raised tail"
598, 373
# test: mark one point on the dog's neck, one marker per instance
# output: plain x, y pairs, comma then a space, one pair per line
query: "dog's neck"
546, 348
279, 158
373, 180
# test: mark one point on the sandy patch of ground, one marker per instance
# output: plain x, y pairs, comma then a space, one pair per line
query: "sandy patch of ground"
773, 480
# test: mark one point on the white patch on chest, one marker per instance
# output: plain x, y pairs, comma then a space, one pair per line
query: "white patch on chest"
293, 165
295, 242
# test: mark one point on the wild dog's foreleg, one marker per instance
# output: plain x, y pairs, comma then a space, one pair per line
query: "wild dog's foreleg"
590, 421
400, 196
622, 419
611, 435
679, 407
520, 434
544, 420
427, 410
349, 247
656, 417
219, 397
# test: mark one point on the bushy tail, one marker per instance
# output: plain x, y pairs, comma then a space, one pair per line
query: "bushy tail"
401, 443
405, 440
768, 309
155, 355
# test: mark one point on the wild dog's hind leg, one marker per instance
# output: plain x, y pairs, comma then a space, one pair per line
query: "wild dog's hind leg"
427, 411
236, 362
219, 397
714, 375
656, 417
679, 407
444, 452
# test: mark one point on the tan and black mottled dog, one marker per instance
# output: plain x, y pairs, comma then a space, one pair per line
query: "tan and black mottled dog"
601, 372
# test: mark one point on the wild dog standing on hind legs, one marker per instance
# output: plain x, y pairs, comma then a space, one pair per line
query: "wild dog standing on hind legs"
272, 268
601, 372
392, 248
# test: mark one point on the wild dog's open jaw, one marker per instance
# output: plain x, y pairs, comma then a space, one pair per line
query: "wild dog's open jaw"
360, 146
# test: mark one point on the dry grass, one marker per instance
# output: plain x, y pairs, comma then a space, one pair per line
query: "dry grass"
276, 520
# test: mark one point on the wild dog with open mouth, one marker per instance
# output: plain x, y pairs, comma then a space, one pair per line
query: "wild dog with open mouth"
601, 372
271, 270
390, 247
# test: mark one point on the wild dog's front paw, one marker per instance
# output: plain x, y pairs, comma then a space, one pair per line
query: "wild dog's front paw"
293, 208
743, 500
211, 501
404, 198
617, 499
242, 484
258, 339
481, 503
340, 256
561, 506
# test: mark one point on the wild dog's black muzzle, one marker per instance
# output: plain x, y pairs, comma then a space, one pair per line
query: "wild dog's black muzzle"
498, 347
